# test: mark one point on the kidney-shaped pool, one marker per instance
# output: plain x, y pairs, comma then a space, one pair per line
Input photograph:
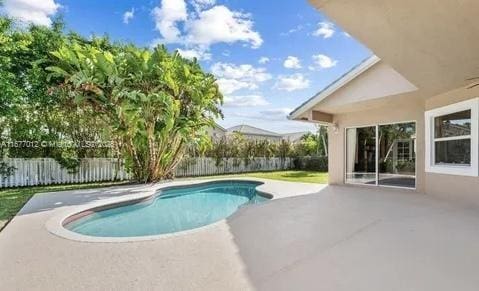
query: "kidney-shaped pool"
170, 210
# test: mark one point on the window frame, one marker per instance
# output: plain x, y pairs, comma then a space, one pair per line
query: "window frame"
452, 169
409, 148
413, 150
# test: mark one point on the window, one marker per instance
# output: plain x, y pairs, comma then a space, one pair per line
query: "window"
381, 155
396, 156
452, 139
403, 150
361, 155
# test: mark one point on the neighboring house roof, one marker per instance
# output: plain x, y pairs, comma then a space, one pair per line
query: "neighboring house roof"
251, 130
294, 136
334, 86
217, 126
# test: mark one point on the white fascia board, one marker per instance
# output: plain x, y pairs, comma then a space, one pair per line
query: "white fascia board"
333, 87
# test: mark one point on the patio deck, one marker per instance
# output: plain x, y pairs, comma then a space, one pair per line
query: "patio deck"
340, 238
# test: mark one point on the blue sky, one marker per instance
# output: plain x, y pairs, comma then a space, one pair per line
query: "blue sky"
268, 56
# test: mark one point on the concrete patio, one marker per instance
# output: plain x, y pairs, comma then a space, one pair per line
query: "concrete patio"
339, 238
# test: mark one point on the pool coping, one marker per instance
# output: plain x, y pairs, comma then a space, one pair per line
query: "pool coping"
56, 224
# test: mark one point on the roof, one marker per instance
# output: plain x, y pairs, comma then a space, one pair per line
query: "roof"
217, 126
334, 86
432, 43
251, 130
293, 136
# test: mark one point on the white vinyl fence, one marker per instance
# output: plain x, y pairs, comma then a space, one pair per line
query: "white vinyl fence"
191, 167
46, 171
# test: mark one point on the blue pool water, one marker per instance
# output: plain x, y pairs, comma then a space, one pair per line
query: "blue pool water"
174, 209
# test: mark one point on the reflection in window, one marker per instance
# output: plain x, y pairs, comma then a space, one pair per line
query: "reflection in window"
455, 124
361, 155
452, 138
397, 156
403, 150
453, 152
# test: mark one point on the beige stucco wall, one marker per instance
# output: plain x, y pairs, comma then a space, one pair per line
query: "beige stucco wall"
410, 108
452, 186
399, 110
378, 81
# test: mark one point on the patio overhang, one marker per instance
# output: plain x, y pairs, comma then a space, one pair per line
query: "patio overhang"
369, 83
318, 117
434, 44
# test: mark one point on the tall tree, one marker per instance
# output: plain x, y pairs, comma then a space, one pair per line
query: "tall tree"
157, 103
28, 112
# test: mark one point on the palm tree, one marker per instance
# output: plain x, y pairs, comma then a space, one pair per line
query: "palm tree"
157, 103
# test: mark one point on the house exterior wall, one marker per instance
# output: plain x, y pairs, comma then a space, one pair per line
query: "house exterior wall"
378, 81
400, 110
452, 186
215, 132
463, 188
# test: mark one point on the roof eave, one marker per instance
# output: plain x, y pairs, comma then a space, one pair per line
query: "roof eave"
333, 87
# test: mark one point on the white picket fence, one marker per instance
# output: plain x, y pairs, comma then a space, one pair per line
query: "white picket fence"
209, 166
47, 171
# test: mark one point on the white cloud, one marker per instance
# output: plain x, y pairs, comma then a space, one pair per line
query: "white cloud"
31, 11
325, 30
197, 53
205, 26
166, 18
276, 113
128, 15
243, 72
233, 77
346, 34
202, 4
292, 30
292, 82
219, 24
263, 60
228, 86
292, 63
245, 101
323, 62
273, 114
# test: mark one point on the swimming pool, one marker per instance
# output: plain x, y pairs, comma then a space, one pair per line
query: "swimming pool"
173, 209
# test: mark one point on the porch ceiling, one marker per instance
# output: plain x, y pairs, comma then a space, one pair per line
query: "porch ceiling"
432, 43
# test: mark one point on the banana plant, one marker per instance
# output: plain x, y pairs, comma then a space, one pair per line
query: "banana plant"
157, 103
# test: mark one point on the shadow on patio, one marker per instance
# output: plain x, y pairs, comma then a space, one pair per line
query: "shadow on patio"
346, 238
52, 200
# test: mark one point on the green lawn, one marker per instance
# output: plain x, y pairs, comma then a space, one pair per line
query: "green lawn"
13, 199
291, 176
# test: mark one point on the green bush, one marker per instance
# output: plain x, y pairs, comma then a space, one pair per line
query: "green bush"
311, 163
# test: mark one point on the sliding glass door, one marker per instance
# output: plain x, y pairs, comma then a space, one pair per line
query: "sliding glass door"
397, 155
382, 155
361, 155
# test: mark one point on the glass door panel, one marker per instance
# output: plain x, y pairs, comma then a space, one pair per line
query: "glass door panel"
361, 155
397, 155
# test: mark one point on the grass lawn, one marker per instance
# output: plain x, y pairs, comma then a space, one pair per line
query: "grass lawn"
13, 199
291, 176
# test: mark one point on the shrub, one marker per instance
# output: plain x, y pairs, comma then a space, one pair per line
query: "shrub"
311, 163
